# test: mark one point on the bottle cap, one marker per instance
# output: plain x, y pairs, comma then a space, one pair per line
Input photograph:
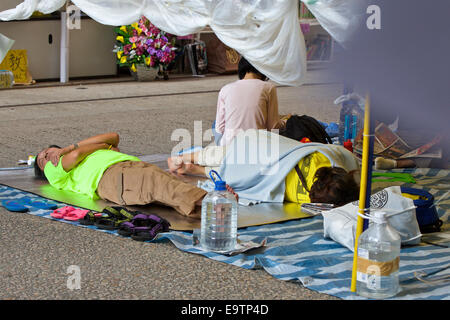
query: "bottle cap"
379, 216
220, 185
348, 145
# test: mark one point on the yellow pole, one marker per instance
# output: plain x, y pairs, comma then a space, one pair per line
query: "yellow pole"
363, 188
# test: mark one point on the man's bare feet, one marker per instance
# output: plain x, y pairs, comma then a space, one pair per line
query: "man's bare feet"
230, 189
174, 163
178, 166
186, 168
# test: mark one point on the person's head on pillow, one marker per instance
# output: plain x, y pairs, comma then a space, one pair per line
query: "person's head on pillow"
41, 160
335, 186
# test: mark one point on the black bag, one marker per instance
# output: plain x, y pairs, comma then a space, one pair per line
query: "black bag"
198, 61
299, 127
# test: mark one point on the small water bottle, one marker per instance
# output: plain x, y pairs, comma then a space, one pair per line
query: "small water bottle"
378, 259
219, 219
6, 79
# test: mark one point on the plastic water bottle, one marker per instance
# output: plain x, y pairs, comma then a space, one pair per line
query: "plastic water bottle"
378, 259
6, 79
219, 219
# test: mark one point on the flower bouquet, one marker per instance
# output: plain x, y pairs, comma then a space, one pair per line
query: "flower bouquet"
143, 47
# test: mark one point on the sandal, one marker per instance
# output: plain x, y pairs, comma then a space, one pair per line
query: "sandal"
121, 212
61, 212
22, 204
90, 218
114, 217
141, 221
108, 223
160, 225
14, 206
37, 203
75, 215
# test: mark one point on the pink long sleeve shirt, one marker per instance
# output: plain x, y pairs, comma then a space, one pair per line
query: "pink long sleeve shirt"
246, 104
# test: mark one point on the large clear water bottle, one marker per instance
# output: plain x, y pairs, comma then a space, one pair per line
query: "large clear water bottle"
219, 220
378, 259
6, 79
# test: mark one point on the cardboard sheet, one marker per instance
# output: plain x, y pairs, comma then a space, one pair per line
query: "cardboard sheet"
260, 214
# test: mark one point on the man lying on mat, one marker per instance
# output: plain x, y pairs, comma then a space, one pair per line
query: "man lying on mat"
95, 167
298, 172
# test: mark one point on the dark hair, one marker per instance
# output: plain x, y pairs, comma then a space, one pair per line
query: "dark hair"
38, 173
335, 186
245, 67
299, 127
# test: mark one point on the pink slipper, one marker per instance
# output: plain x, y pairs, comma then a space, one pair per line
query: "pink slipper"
61, 212
75, 215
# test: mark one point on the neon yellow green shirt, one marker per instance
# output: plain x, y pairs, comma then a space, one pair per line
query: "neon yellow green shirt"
85, 177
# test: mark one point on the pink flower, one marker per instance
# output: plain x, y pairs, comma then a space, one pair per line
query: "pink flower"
140, 50
127, 48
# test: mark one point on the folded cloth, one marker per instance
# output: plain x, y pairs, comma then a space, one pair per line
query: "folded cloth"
257, 163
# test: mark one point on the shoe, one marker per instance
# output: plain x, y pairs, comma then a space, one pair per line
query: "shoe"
149, 233
14, 206
61, 212
75, 215
113, 217
90, 218
140, 221
28, 201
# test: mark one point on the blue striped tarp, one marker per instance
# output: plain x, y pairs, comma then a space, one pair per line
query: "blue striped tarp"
297, 250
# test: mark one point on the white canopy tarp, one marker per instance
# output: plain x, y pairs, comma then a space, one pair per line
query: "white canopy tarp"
266, 32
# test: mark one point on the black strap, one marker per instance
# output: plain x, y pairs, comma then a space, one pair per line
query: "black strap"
302, 178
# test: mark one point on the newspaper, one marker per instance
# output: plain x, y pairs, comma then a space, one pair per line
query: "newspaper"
421, 152
388, 144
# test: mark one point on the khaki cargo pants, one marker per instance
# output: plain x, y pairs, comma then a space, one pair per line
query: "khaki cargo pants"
141, 183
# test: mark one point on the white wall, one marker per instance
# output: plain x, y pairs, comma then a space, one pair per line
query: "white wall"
43, 57
90, 47
91, 50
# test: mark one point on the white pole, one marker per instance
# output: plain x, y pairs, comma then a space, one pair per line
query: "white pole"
64, 55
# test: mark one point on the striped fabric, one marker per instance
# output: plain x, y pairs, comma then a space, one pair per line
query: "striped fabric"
297, 250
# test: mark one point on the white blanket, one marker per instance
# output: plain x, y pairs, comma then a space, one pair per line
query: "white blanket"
258, 161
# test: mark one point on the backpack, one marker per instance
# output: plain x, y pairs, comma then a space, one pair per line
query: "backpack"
426, 212
299, 127
196, 54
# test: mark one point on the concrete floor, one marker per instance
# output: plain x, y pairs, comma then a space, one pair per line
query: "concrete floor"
35, 253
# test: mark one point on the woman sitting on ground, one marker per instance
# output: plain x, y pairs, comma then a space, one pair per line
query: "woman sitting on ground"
248, 103
304, 173
94, 167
